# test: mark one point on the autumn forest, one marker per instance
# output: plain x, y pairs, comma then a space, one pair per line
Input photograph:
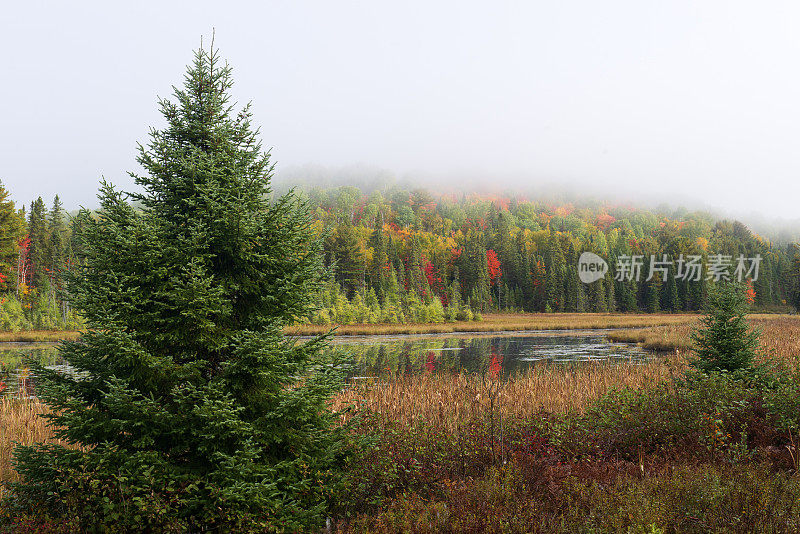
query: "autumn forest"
414, 256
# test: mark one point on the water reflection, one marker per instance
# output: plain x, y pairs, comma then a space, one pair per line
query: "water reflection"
501, 354
16, 360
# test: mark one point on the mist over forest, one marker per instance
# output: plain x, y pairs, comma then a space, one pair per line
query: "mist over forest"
367, 179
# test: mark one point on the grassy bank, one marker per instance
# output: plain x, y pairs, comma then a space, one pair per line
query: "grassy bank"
38, 336
779, 330
20, 422
496, 322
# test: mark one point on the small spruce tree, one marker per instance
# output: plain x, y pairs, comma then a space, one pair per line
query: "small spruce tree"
192, 410
725, 342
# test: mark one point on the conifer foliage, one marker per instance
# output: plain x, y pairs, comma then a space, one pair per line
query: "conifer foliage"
191, 409
726, 342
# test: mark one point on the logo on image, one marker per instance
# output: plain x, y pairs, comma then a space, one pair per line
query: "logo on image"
591, 267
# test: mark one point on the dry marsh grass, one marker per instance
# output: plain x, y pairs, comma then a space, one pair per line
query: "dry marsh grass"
498, 322
449, 401
780, 335
29, 336
659, 339
20, 422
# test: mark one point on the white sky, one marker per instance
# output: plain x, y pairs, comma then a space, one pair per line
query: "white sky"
696, 99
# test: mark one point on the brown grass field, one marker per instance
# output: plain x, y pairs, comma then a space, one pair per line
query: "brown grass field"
20, 422
448, 401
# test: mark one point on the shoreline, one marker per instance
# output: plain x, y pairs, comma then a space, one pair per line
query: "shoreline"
504, 322
492, 323
39, 336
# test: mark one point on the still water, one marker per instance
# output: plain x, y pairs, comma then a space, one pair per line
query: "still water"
476, 353
504, 353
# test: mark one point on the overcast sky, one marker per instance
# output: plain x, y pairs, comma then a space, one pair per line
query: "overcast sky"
698, 99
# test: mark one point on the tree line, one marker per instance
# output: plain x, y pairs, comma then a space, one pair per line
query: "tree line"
36, 247
400, 255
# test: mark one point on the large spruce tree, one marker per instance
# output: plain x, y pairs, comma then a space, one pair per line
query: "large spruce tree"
191, 410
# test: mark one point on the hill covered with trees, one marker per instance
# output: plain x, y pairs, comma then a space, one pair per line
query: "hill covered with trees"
397, 254
410, 255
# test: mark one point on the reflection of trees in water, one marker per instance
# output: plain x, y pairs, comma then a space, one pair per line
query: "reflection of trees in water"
17, 361
414, 356
495, 355
503, 356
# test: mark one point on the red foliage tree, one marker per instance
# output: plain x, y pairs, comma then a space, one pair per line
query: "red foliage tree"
493, 265
750, 292
435, 281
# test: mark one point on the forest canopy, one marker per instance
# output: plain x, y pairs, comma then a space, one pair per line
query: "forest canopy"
410, 255
396, 254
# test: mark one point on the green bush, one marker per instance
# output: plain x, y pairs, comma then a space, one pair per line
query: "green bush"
12, 315
700, 416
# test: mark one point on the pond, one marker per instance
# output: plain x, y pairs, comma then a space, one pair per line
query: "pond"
503, 353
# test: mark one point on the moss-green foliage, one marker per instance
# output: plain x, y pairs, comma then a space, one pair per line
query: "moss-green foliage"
191, 409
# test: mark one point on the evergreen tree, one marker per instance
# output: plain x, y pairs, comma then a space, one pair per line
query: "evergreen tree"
55, 255
415, 272
611, 298
379, 273
193, 411
12, 225
669, 299
349, 259
56, 237
556, 267
725, 342
539, 283
37, 251
474, 271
